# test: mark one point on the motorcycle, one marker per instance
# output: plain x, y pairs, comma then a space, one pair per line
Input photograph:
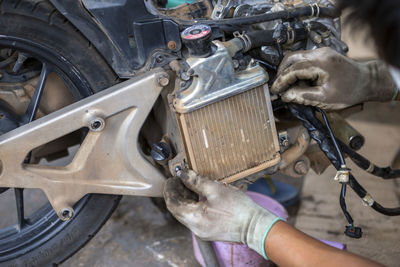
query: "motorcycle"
100, 99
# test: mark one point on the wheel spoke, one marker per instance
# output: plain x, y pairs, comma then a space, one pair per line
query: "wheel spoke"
19, 199
33, 106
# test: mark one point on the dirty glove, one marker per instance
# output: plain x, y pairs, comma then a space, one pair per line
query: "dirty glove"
224, 213
329, 80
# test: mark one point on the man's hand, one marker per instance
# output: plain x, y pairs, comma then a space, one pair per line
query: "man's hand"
224, 213
329, 80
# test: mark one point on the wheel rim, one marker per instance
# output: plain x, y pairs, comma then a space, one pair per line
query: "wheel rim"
35, 230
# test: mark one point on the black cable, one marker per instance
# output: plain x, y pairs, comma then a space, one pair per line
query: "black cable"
307, 11
328, 126
342, 202
386, 211
365, 164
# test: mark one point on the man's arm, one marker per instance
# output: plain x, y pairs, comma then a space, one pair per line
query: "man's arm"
224, 213
287, 246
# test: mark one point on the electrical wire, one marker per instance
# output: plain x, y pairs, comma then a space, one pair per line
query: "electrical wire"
333, 138
317, 132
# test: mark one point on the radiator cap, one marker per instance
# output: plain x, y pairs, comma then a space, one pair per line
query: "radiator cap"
197, 39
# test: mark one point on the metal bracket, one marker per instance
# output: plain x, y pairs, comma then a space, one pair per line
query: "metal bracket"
109, 161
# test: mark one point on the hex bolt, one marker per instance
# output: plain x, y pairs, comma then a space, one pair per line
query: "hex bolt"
184, 76
159, 59
190, 72
178, 170
235, 63
97, 125
163, 79
66, 214
301, 167
172, 45
160, 152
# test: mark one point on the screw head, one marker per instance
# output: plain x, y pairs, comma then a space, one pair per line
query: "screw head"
97, 125
190, 72
301, 168
163, 79
66, 214
159, 58
172, 45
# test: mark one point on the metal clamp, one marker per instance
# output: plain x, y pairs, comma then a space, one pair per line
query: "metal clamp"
245, 39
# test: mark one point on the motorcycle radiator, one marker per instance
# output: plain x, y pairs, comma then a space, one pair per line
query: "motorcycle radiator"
232, 138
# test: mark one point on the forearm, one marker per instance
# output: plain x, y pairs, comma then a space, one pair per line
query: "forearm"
379, 83
286, 246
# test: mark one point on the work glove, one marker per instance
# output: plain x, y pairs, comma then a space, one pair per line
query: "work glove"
222, 213
329, 80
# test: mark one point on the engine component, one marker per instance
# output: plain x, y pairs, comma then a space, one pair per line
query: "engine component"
214, 78
232, 138
345, 132
160, 152
197, 39
226, 118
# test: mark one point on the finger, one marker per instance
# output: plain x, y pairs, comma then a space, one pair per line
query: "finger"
201, 185
292, 58
303, 56
175, 195
310, 96
293, 75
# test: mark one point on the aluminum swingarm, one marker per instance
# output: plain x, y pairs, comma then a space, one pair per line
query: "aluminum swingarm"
109, 160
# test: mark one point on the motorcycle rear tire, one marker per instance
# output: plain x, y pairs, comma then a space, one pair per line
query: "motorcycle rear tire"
40, 23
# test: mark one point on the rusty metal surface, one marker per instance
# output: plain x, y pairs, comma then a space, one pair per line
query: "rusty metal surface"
109, 160
189, 11
232, 138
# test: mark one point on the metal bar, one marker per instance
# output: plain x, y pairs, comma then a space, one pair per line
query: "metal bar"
19, 199
33, 106
109, 161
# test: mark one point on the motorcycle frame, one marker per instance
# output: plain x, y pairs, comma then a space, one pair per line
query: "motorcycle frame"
109, 160
119, 30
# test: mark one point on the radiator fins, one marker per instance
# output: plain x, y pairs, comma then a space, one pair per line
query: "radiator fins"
232, 138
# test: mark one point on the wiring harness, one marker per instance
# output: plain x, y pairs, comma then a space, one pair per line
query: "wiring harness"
333, 149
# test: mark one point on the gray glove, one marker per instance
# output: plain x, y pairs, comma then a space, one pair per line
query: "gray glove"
329, 80
224, 213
